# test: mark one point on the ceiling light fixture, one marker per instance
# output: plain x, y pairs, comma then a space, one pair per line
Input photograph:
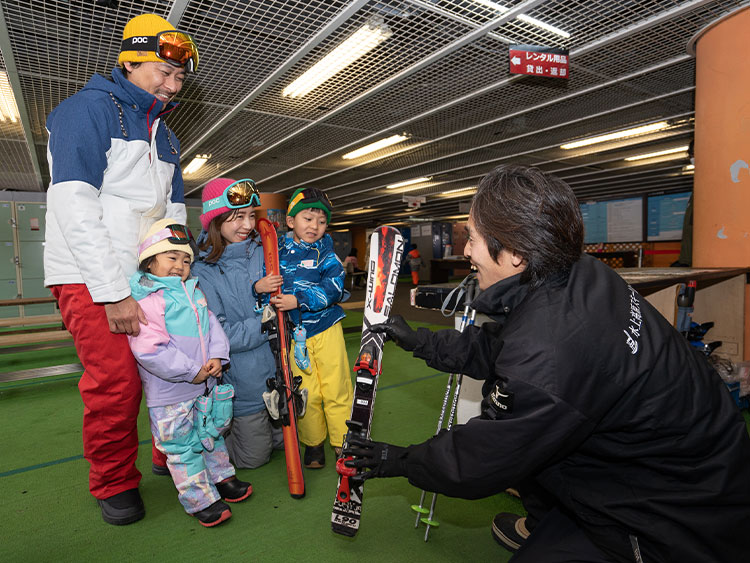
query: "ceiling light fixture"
459, 192
8, 107
528, 19
364, 40
408, 182
196, 163
358, 211
660, 153
376, 146
643, 129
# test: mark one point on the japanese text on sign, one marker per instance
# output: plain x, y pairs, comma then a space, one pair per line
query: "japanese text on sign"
539, 61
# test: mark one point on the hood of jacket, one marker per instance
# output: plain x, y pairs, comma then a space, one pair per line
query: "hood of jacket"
128, 93
498, 300
143, 284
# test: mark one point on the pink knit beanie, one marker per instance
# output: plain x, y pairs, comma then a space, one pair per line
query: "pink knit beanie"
211, 190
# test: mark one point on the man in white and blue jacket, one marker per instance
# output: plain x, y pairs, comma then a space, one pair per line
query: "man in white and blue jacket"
115, 169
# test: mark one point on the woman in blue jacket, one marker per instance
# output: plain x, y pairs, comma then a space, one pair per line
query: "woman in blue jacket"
229, 269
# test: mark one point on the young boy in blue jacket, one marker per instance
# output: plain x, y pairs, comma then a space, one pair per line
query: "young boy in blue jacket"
313, 285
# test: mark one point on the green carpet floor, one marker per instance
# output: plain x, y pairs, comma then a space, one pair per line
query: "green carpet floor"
49, 515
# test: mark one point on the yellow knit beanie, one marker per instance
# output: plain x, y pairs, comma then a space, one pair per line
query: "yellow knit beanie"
145, 25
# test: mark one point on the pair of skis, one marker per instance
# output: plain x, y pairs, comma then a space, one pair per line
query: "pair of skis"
386, 249
284, 383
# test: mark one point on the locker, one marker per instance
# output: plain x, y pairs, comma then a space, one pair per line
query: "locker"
30, 221
8, 290
34, 287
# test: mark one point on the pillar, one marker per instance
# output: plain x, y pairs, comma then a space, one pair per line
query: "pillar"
721, 221
721, 224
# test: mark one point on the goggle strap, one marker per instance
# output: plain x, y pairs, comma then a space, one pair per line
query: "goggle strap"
164, 234
140, 43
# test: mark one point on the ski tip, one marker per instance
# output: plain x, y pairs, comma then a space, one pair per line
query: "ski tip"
298, 495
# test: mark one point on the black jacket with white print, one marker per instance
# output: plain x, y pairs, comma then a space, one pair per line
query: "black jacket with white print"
594, 395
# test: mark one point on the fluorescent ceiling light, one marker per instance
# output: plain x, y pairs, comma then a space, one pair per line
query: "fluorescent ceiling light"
339, 223
659, 153
459, 192
358, 211
650, 128
8, 107
364, 40
689, 167
528, 19
376, 146
196, 163
408, 183
462, 216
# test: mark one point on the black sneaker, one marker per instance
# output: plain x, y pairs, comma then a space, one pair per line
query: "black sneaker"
123, 508
214, 515
315, 456
509, 530
159, 469
234, 490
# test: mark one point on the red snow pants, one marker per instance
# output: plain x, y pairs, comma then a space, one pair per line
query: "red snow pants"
111, 391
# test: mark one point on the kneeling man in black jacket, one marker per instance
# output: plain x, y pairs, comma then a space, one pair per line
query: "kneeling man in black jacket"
622, 438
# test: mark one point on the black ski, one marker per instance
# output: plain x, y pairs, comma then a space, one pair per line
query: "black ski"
386, 249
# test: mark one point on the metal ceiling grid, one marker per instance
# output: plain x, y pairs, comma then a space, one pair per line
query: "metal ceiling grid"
413, 37
478, 161
241, 42
464, 111
246, 133
460, 114
500, 121
69, 38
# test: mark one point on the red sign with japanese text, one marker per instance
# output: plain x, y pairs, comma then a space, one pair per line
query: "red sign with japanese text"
539, 61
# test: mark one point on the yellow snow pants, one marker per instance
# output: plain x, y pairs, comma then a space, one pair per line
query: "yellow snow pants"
329, 388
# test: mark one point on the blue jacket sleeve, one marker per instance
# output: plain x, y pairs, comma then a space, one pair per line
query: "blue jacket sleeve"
79, 140
330, 289
243, 335
218, 344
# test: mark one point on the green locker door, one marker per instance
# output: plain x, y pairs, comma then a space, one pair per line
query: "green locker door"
30, 220
8, 286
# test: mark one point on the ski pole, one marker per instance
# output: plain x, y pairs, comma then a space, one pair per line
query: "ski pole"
454, 404
467, 317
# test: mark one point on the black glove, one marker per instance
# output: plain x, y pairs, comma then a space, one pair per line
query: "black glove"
396, 329
382, 460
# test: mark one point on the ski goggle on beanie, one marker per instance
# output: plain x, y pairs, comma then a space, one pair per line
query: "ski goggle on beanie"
163, 236
307, 198
151, 38
224, 194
